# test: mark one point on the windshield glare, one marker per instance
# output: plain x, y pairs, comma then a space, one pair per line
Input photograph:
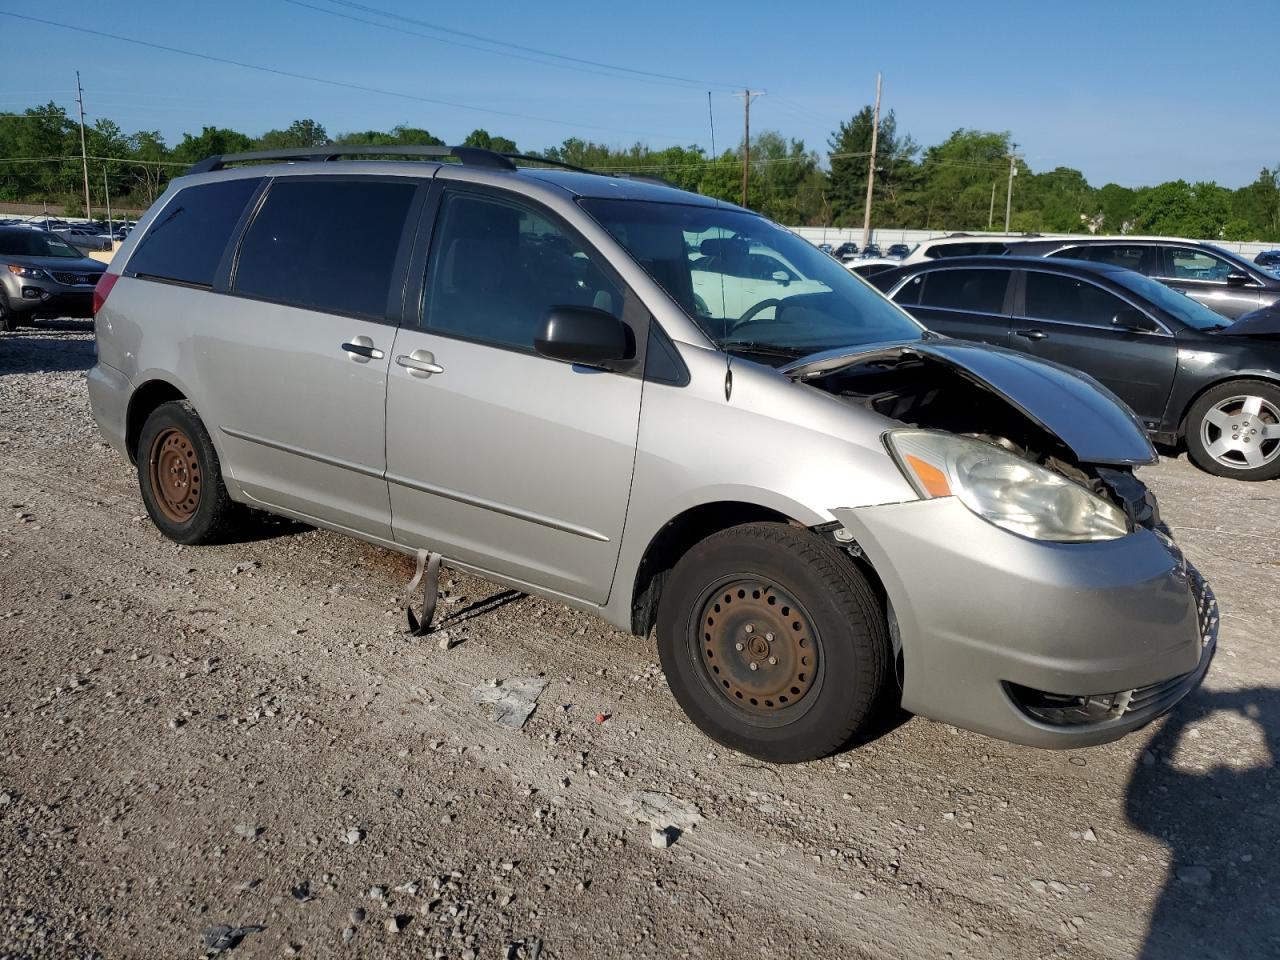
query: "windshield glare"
36, 243
1179, 305
751, 286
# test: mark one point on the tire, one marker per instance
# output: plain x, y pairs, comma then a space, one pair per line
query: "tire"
1233, 430
8, 319
181, 479
808, 619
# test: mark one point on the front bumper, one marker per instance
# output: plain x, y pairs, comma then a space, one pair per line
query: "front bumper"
998, 631
42, 296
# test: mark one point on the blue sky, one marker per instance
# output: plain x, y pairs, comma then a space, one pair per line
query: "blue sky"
1133, 92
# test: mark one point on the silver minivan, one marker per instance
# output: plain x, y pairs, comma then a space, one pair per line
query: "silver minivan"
665, 410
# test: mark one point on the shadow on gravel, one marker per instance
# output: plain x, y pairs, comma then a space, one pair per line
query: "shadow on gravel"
1221, 825
267, 526
34, 351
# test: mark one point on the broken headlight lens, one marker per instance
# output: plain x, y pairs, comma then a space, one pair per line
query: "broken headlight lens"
1002, 488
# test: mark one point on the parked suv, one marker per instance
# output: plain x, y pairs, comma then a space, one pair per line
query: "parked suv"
41, 275
1224, 282
822, 510
1191, 375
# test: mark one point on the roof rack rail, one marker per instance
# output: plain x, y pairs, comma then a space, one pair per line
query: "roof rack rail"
471, 156
468, 156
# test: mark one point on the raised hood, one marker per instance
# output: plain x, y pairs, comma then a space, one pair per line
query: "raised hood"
1260, 323
1088, 418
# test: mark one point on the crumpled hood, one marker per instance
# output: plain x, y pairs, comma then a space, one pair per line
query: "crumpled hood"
1087, 417
1260, 323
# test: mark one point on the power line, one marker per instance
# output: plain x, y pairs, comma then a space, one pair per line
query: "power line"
302, 76
472, 46
391, 15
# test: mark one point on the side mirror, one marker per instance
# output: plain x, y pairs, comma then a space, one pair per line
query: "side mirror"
586, 336
780, 276
1237, 279
1131, 319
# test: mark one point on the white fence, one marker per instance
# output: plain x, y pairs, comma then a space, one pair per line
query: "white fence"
838, 235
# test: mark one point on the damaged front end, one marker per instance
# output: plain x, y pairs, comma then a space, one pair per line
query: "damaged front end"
1047, 415
1036, 595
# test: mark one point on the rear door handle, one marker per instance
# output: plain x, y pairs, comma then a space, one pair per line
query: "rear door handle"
1031, 334
361, 349
420, 363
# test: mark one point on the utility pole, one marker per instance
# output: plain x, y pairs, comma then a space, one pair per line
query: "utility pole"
1008, 203
871, 168
106, 192
747, 96
84, 153
991, 211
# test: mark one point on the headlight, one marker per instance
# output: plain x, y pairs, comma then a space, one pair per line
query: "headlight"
1014, 494
31, 273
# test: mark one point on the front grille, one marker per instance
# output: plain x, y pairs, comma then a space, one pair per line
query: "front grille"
74, 279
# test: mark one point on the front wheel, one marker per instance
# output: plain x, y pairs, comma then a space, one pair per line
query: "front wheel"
8, 319
774, 643
1233, 430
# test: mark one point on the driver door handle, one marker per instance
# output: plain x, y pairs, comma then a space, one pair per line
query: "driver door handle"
362, 349
420, 363
1031, 334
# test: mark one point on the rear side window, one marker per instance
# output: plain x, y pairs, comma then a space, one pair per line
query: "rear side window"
909, 294
327, 245
1131, 257
1053, 297
189, 236
978, 291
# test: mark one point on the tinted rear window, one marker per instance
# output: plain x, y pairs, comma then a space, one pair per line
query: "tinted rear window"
189, 236
979, 291
325, 244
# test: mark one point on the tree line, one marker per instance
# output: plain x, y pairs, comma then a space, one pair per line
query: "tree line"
958, 184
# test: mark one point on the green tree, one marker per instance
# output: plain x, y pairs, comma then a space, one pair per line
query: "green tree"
1178, 208
959, 174
896, 174
212, 141
483, 140
300, 133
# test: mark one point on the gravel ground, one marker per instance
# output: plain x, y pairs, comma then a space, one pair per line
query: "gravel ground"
242, 736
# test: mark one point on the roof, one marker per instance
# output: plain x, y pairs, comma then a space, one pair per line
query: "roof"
574, 180
605, 187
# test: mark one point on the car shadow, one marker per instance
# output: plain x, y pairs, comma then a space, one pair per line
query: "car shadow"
267, 526
1222, 826
31, 350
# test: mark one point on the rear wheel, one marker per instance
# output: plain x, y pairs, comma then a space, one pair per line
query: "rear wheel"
773, 642
1233, 430
180, 478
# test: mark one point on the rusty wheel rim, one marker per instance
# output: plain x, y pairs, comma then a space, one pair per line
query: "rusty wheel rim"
175, 475
757, 647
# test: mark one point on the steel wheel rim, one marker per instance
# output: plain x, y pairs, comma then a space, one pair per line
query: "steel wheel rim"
1242, 432
730, 631
175, 475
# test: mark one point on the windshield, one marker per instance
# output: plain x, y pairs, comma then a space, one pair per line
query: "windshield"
36, 243
750, 285
1194, 314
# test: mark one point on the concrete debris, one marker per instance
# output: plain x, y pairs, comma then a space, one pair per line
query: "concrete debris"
667, 816
223, 937
512, 700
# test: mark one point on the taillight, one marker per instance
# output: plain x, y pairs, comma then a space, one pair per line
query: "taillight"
103, 289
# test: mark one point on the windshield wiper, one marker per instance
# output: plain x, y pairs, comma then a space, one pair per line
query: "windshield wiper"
764, 349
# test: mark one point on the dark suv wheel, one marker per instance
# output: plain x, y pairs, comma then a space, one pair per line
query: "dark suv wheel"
773, 642
8, 319
180, 478
1233, 430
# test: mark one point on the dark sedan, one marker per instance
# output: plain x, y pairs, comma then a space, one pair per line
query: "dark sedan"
41, 275
1187, 372
1223, 281
1268, 258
